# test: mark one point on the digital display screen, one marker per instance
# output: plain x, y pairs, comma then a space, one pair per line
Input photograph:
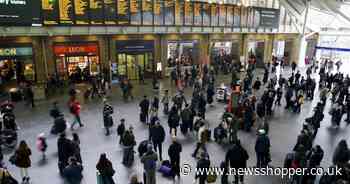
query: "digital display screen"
96, 12
158, 12
188, 13
179, 12
81, 10
214, 15
206, 14
123, 12
110, 12
229, 19
222, 15
135, 12
197, 14
66, 11
169, 6
20, 12
147, 11
49, 12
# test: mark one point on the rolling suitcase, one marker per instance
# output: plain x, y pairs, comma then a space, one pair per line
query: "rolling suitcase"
165, 169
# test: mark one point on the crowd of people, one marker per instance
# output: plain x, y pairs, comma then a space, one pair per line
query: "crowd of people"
254, 103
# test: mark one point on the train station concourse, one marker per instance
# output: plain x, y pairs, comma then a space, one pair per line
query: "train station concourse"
174, 91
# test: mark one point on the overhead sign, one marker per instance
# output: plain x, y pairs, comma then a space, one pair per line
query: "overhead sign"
135, 46
75, 49
16, 51
20, 12
269, 17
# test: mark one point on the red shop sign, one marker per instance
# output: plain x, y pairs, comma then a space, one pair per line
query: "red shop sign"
75, 49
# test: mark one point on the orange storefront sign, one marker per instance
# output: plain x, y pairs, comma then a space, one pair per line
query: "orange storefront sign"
75, 49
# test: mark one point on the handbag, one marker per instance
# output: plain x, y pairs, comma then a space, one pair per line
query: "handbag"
13, 159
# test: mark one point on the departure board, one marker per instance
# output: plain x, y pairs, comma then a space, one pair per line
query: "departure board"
66, 11
96, 11
206, 14
123, 12
197, 14
237, 16
169, 6
158, 12
135, 12
229, 16
110, 12
49, 12
222, 15
147, 11
81, 10
214, 15
188, 13
179, 12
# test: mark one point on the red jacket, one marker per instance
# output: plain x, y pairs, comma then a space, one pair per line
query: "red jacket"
75, 107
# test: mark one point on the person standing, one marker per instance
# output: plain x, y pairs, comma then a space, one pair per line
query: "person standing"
341, 154
149, 160
121, 130
144, 105
107, 116
128, 150
210, 94
73, 172
262, 149
158, 137
294, 66
65, 150
174, 152
75, 108
202, 164
155, 103
237, 158
105, 169
23, 161
186, 116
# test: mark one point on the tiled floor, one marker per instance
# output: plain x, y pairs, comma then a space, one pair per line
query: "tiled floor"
284, 128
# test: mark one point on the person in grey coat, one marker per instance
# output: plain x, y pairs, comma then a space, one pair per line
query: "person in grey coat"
149, 160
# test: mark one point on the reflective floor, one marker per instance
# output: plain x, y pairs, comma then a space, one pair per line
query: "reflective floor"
284, 128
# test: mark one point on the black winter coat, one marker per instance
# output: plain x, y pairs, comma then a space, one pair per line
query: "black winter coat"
262, 144
157, 134
66, 149
174, 150
174, 120
237, 156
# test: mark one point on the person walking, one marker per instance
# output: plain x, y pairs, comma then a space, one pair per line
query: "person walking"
237, 158
262, 149
65, 150
341, 154
105, 169
165, 101
202, 164
76, 146
73, 173
75, 108
144, 106
128, 150
23, 161
158, 137
174, 152
149, 160
173, 121
42, 144
186, 118
107, 116
121, 130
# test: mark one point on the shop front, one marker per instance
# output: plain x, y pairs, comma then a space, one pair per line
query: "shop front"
135, 59
16, 65
256, 51
282, 50
182, 52
224, 49
77, 61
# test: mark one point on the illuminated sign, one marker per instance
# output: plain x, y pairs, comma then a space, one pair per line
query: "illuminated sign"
20, 51
75, 49
20, 12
